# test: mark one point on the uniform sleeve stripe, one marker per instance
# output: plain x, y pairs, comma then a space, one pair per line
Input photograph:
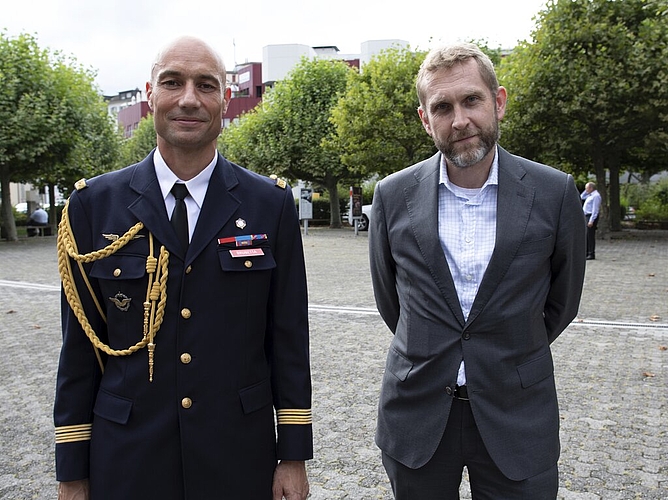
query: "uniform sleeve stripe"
294, 416
73, 433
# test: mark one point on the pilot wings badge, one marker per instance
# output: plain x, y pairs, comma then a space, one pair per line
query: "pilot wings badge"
121, 301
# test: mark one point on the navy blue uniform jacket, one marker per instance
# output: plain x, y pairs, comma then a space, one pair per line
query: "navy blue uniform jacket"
233, 345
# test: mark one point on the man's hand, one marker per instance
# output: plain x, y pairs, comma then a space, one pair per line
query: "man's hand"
74, 490
290, 481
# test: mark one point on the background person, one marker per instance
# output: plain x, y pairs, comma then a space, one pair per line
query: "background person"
176, 354
591, 208
477, 263
38, 218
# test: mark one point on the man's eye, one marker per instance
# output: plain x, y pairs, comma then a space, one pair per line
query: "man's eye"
169, 83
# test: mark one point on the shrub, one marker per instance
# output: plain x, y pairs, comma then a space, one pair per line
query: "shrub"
655, 205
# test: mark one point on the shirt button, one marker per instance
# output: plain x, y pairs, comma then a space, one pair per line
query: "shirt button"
186, 358
188, 269
248, 264
185, 313
186, 403
117, 272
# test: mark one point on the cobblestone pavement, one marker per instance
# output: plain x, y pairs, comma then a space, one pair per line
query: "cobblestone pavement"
611, 368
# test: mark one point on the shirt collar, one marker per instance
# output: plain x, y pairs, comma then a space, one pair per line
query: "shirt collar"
197, 186
492, 178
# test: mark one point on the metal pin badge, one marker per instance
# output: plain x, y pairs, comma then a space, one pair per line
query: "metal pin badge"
240, 223
121, 301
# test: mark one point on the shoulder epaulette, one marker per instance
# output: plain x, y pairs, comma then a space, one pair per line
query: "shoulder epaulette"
80, 184
279, 182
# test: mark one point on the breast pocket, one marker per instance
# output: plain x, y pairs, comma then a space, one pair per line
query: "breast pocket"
119, 267
122, 280
246, 259
539, 246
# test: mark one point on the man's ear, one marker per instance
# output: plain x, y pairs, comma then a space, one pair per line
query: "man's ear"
226, 98
424, 119
149, 94
501, 100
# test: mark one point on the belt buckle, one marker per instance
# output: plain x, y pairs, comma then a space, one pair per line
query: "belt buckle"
461, 393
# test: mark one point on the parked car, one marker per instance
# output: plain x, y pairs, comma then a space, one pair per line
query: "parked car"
363, 223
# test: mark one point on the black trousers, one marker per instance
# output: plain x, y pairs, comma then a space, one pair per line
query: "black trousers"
462, 446
591, 236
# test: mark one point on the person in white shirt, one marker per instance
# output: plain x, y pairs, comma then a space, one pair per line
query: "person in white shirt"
591, 207
38, 218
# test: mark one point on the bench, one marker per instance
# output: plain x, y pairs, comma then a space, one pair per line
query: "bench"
47, 230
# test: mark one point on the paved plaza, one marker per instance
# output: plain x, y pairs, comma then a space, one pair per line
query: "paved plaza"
611, 369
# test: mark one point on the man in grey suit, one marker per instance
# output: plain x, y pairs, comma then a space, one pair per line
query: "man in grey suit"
477, 260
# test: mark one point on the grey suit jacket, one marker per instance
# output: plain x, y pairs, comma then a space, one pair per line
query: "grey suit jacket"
529, 294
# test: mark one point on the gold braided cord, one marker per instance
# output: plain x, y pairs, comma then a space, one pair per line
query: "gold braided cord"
159, 292
67, 248
70, 243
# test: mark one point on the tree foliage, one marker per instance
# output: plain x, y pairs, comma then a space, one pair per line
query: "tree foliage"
142, 142
377, 126
54, 127
286, 134
590, 93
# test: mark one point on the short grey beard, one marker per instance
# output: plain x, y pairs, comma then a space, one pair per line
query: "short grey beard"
467, 159
470, 158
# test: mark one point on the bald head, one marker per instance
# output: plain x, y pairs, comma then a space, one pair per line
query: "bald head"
188, 48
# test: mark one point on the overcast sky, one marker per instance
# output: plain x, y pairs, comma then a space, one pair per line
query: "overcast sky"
120, 38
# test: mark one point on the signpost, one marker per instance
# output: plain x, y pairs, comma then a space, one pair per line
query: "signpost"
355, 206
306, 207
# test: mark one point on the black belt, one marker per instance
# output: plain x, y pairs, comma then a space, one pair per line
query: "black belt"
461, 392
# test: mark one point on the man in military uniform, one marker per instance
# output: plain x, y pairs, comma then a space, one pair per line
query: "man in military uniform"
184, 371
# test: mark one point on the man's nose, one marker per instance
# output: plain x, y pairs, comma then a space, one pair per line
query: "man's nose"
461, 118
189, 97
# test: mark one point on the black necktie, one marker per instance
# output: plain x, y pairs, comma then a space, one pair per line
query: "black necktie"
180, 214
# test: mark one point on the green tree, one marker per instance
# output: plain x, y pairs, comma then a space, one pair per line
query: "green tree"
378, 130
50, 114
287, 133
142, 142
590, 92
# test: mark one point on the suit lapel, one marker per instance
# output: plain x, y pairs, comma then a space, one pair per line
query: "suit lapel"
149, 206
422, 206
514, 203
219, 205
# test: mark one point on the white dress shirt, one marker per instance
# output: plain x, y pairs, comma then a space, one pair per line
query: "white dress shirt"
592, 204
197, 187
467, 230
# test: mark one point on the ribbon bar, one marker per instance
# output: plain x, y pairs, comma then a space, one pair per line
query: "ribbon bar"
245, 240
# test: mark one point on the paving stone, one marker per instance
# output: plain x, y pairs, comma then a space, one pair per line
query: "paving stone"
612, 378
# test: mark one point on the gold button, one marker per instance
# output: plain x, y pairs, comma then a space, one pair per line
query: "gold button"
117, 272
248, 264
186, 358
188, 269
185, 313
186, 403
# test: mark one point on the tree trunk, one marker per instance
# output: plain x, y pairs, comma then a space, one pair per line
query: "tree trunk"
52, 205
8, 222
332, 187
603, 216
615, 210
